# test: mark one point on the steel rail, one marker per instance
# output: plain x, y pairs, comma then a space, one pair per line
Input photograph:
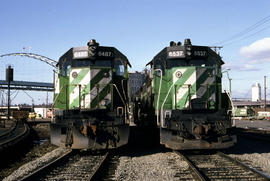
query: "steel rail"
244, 166
10, 130
32, 175
99, 167
198, 174
15, 139
7, 132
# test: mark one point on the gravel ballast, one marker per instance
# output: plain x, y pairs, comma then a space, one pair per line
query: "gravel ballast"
254, 153
35, 164
154, 167
255, 160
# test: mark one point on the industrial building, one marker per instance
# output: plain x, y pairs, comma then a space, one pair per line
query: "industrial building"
136, 80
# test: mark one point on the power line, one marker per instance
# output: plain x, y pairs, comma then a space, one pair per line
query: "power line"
247, 30
15, 95
226, 44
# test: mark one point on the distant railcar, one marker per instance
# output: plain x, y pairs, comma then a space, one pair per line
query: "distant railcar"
243, 112
182, 95
91, 98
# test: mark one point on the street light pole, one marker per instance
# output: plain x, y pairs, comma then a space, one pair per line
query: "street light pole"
230, 80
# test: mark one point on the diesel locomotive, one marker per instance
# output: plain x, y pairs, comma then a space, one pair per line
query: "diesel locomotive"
90, 105
182, 96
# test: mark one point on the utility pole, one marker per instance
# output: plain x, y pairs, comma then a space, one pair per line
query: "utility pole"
264, 93
216, 47
46, 110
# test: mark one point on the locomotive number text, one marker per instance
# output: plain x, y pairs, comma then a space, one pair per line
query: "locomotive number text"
176, 54
200, 53
105, 54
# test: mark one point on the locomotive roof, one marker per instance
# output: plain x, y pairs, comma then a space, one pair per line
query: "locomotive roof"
102, 52
180, 52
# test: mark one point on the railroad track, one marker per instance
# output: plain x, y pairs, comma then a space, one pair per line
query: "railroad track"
13, 136
71, 166
218, 166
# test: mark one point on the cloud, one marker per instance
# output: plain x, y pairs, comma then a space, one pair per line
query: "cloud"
240, 67
257, 52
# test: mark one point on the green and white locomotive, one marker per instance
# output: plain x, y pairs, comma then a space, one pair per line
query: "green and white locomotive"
91, 98
182, 95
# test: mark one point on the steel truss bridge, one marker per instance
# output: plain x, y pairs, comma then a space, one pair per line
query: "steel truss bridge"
25, 85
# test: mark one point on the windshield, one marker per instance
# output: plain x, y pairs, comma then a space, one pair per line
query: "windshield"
88, 62
120, 69
183, 62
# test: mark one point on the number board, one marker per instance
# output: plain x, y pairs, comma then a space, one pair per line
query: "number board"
80, 54
105, 54
176, 54
200, 53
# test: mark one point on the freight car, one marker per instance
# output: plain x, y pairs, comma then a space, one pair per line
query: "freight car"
182, 95
91, 98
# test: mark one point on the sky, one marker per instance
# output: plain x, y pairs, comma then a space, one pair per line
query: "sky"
139, 29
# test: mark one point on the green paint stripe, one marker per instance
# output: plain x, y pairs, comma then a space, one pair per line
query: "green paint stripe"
185, 98
185, 76
78, 79
101, 95
193, 88
80, 76
203, 78
211, 89
179, 82
98, 77
84, 91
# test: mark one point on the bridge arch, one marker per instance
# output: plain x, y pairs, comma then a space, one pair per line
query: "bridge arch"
44, 59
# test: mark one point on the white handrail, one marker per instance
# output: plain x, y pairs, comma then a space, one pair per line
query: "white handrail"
157, 110
162, 123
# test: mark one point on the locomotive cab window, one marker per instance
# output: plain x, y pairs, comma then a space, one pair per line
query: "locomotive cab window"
103, 63
119, 68
88, 62
66, 68
197, 62
82, 63
183, 62
176, 63
160, 65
